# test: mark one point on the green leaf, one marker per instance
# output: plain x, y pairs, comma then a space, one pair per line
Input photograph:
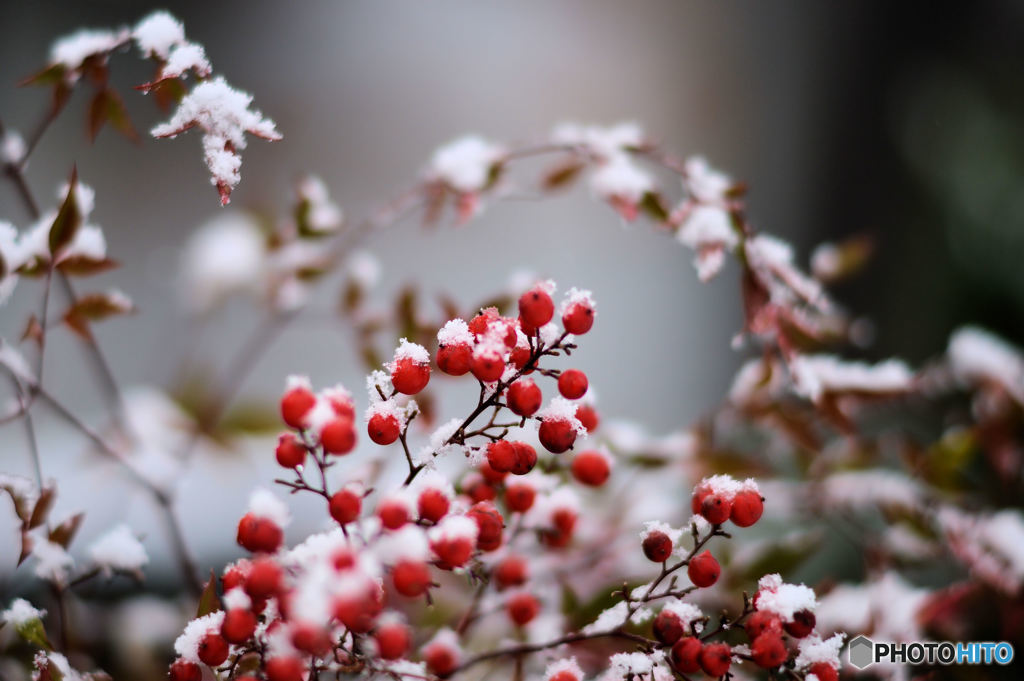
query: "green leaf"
654, 207
32, 631
208, 601
68, 219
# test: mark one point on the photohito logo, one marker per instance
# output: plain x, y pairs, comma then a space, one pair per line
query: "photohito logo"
863, 652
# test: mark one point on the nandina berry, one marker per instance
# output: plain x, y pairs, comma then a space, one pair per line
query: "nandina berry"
578, 318
697, 501
184, 670
392, 640
535, 308
234, 575
478, 489
291, 452
488, 366
409, 376
492, 475
591, 468
768, 651
557, 435
715, 508
564, 520
238, 626
686, 654
824, 671
501, 456
341, 404
311, 639
668, 628
522, 608
761, 622
802, 624
478, 324
490, 524
747, 507
383, 428
572, 383
343, 558
657, 546
411, 578
455, 359
284, 668
564, 675
393, 513
526, 458
587, 416
345, 506
452, 552
512, 571
519, 357
703, 569
359, 611
432, 505
715, 659
524, 397
259, 534
519, 496
295, 404
213, 649
440, 659
264, 579
338, 436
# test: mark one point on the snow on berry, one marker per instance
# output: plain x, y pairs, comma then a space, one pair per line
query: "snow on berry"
817, 375
814, 650
187, 644
560, 409
224, 116
263, 504
443, 652
119, 549
785, 600
563, 670
688, 613
465, 164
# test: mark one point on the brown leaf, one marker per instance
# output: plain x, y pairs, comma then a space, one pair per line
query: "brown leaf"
84, 266
97, 115
561, 175
64, 533
26, 546
42, 508
68, 219
208, 601
33, 330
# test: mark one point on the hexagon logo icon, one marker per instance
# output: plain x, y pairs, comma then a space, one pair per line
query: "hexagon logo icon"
861, 652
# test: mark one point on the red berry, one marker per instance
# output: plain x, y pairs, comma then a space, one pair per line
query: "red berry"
802, 624
536, 308
686, 654
824, 671
409, 376
526, 458
359, 611
591, 468
383, 428
703, 569
587, 415
392, 640
668, 628
578, 318
184, 670
522, 608
697, 501
715, 659
295, 404
512, 571
284, 668
747, 507
440, 658
451, 552
564, 520
478, 324
488, 366
455, 359
311, 639
345, 506
657, 546
715, 508
556, 434
290, 451
519, 497
234, 575
490, 523
762, 622
393, 513
411, 578
524, 397
258, 534
501, 456
213, 649
478, 489
238, 626
338, 436
768, 651
572, 383
432, 505
264, 579
519, 356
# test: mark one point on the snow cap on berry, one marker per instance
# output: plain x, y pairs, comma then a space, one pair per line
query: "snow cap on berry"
561, 409
727, 486
657, 526
237, 599
298, 381
414, 351
389, 407
686, 612
407, 543
812, 650
783, 599
187, 644
577, 296
432, 479
454, 527
569, 666
263, 504
455, 332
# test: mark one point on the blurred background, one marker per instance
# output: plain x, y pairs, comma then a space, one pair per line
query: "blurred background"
882, 119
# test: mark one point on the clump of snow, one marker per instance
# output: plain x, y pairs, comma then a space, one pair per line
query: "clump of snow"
977, 356
814, 650
628, 665
708, 231
886, 608
72, 50
569, 666
53, 562
773, 257
263, 504
119, 549
187, 645
12, 148
225, 256
561, 409
455, 332
157, 33
686, 612
406, 543
817, 375
615, 616
237, 599
465, 164
21, 612
577, 296
672, 533
414, 351
876, 487
784, 599
364, 269
602, 141
621, 178
433, 480
224, 115
704, 183
323, 215
184, 58
727, 486
453, 527
992, 546
826, 261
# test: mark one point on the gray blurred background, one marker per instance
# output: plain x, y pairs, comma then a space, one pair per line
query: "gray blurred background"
870, 118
